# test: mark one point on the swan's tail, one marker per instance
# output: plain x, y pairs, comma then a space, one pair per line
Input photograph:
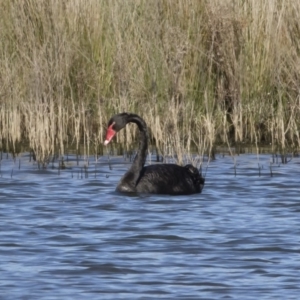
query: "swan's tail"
197, 178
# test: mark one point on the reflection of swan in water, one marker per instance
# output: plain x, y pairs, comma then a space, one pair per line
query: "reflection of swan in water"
154, 179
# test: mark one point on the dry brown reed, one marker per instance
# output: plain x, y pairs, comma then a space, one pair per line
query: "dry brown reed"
199, 72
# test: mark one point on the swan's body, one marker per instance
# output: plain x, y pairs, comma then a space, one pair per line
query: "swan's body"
154, 179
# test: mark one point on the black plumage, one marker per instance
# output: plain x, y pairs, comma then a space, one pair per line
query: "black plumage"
154, 179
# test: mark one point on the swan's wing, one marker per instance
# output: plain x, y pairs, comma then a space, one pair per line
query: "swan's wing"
169, 179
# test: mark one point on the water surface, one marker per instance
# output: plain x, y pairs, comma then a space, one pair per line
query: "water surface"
65, 234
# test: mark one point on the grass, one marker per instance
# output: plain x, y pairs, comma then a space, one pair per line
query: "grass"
199, 72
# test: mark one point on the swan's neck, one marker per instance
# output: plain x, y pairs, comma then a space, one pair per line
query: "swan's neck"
140, 158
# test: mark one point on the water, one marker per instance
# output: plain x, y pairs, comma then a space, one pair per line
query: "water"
68, 235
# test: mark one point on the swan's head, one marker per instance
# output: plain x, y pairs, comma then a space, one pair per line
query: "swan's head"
115, 124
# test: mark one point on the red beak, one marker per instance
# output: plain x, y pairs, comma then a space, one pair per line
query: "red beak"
109, 134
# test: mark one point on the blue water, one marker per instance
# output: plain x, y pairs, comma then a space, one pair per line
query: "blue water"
65, 234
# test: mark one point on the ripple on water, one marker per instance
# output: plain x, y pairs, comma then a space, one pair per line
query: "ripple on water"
66, 234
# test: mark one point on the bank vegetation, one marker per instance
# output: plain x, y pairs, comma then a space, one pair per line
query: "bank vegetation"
199, 72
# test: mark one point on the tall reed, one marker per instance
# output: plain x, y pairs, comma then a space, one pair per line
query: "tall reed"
199, 72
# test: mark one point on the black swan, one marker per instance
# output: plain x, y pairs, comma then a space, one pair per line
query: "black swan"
154, 179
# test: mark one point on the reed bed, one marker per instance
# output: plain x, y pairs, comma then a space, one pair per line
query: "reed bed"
199, 72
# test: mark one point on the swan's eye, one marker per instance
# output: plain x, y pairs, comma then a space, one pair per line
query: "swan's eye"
112, 126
